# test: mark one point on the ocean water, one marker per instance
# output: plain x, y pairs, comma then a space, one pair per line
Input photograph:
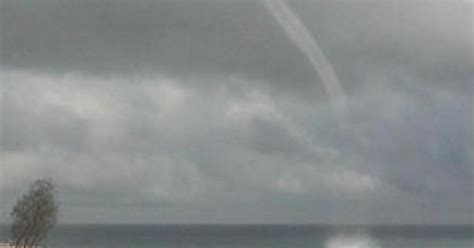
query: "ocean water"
253, 236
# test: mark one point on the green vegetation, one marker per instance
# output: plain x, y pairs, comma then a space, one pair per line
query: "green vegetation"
34, 215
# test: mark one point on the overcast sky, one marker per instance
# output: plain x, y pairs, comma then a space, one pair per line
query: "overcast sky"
206, 111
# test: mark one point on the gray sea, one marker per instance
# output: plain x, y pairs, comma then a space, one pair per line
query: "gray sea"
253, 236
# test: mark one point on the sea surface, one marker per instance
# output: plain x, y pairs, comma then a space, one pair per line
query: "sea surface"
253, 236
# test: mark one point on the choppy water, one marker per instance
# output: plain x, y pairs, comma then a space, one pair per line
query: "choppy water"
253, 236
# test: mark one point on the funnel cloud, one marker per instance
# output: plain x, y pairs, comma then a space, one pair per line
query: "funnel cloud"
305, 41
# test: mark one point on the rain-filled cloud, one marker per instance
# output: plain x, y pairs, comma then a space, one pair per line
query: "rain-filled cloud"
206, 111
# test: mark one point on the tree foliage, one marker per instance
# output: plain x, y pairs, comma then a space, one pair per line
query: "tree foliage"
34, 215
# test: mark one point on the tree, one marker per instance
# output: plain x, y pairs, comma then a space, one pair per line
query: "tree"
34, 215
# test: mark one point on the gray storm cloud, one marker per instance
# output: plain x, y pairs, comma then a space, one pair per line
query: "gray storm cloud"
208, 112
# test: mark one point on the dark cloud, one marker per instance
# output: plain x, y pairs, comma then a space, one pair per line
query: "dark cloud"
208, 112
426, 39
102, 37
